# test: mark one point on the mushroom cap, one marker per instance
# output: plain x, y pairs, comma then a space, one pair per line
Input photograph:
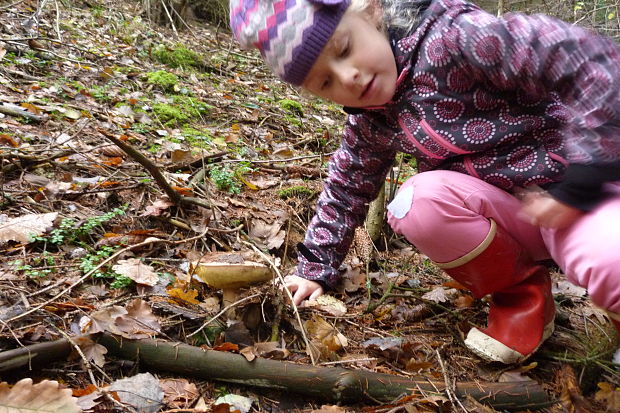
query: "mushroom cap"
230, 271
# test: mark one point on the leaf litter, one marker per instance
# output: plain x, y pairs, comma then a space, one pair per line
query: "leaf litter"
258, 167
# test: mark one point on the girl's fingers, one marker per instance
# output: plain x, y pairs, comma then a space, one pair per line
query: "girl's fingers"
316, 293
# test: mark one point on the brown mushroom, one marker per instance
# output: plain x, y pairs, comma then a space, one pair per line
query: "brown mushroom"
229, 272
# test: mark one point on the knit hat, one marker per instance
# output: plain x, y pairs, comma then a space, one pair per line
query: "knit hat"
289, 34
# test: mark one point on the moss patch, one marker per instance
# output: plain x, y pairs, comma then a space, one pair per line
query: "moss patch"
291, 106
162, 79
177, 56
181, 111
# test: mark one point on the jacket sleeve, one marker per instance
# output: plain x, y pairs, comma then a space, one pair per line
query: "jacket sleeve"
356, 171
540, 55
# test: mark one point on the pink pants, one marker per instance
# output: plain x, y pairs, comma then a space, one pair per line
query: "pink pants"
444, 214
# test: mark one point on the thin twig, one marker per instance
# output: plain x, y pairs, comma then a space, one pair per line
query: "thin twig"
222, 311
290, 296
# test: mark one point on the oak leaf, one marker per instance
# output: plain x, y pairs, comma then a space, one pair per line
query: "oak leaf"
136, 270
45, 396
24, 228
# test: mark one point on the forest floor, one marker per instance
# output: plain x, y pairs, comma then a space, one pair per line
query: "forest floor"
94, 238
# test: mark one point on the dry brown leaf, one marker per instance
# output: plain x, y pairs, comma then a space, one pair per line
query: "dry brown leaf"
92, 351
329, 304
136, 270
188, 296
464, 301
157, 207
178, 393
440, 294
135, 321
269, 235
22, 229
324, 337
45, 396
609, 395
570, 393
140, 321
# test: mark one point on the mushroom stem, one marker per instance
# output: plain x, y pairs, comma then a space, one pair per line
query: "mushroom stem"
229, 296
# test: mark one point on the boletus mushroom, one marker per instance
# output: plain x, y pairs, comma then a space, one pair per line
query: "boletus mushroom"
230, 271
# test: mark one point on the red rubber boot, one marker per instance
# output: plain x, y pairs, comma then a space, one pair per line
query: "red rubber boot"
521, 310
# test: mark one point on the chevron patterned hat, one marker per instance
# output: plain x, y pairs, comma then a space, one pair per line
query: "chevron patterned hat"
289, 34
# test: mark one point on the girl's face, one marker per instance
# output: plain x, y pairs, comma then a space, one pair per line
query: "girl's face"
356, 67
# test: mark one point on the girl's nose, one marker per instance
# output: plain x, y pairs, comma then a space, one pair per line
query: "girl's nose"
349, 76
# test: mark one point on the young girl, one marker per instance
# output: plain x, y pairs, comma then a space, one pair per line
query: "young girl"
514, 122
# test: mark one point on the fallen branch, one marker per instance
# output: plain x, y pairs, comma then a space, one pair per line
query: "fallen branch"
173, 195
16, 111
326, 383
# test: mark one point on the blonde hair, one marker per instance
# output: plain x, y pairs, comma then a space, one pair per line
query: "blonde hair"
401, 15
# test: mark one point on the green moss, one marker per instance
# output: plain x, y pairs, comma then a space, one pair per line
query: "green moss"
178, 56
162, 79
183, 109
197, 137
298, 191
293, 120
170, 115
192, 106
291, 106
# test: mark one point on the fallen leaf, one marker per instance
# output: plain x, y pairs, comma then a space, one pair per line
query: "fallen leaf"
141, 391
136, 270
188, 296
156, 208
241, 403
269, 235
567, 288
45, 396
24, 228
440, 294
93, 352
324, 337
464, 301
140, 322
178, 393
609, 395
329, 304
7, 140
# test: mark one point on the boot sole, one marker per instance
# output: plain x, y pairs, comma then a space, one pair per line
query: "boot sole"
489, 349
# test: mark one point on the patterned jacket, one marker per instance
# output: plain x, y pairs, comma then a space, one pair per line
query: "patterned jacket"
514, 101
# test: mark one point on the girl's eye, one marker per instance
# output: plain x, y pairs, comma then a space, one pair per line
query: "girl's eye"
345, 50
325, 84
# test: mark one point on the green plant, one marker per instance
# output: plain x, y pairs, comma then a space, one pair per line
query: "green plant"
197, 137
92, 260
298, 191
224, 179
69, 232
291, 106
183, 109
177, 56
162, 79
101, 93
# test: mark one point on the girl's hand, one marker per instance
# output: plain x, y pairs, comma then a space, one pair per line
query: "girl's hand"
302, 288
541, 209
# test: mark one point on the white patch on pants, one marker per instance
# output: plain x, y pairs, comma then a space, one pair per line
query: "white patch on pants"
401, 204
